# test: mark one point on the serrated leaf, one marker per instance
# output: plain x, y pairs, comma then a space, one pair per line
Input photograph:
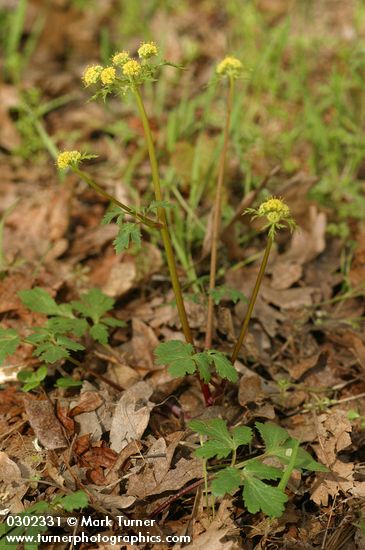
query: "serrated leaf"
215, 428
223, 291
72, 502
37, 299
128, 232
177, 355
274, 436
158, 204
223, 366
261, 496
32, 379
68, 343
93, 304
242, 435
111, 215
112, 322
9, 341
226, 481
213, 447
303, 459
60, 325
262, 471
100, 333
50, 353
67, 382
202, 361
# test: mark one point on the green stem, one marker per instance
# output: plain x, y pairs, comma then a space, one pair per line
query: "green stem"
234, 457
252, 301
290, 467
217, 218
87, 179
170, 256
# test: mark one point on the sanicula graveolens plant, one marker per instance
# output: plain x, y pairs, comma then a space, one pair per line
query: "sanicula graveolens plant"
230, 68
181, 358
128, 74
277, 213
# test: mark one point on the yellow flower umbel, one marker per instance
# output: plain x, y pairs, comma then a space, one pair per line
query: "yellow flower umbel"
276, 212
68, 158
120, 58
147, 50
108, 75
230, 66
92, 74
131, 68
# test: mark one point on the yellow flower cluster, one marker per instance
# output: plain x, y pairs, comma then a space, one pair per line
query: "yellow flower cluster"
107, 75
230, 66
147, 50
275, 210
120, 58
68, 158
131, 68
91, 74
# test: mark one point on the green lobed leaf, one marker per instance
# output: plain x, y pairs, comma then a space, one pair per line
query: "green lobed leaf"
9, 341
93, 304
60, 325
128, 232
50, 353
262, 471
72, 502
223, 366
202, 361
220, 292
67, 382
261, 496
226, 481
177, 355
37, 299
242, 435
68, 343
112, 322
212, 448
273, 435
303, 459
32, 379
111, 214
154, 205
100, 333
216, 428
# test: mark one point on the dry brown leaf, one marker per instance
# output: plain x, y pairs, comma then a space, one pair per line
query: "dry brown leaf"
128, 271
334, 435
131, 416
89, 422
309, 241
252, 387
89, 401
43, 420
285, 273
9, 470
99, 456
144, 341
156, 476
221, 526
